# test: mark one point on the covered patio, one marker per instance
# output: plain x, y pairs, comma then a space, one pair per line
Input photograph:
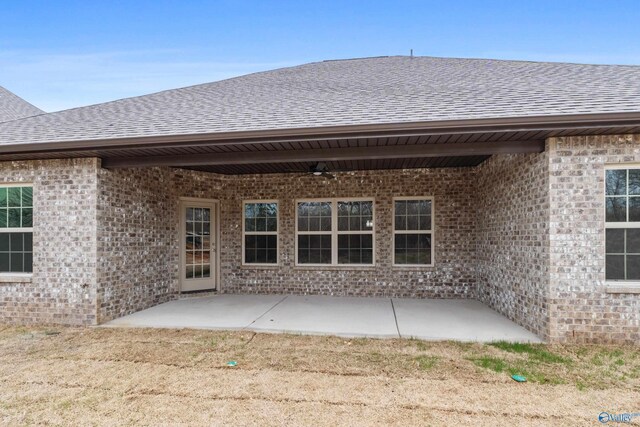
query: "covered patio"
427, 319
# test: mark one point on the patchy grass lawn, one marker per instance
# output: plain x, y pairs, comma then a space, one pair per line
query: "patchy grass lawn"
95, 376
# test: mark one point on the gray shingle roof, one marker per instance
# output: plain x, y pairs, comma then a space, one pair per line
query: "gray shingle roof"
13, 107
348, 92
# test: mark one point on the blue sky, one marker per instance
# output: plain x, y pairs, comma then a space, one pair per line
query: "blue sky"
63, 54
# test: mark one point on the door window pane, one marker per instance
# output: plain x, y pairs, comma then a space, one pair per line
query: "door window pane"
197, 243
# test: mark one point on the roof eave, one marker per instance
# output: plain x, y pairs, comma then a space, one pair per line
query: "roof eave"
502, 124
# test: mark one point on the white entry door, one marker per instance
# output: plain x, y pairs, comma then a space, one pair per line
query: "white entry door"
198, 247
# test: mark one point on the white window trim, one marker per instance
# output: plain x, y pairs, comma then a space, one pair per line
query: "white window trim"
432, 232
263, 233
629, 224
335, 233
14, 276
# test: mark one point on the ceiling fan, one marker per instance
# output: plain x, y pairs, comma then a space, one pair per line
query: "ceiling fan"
321, 169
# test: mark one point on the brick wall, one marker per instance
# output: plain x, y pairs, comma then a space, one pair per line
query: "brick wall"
513, 238
136, 240
581, 307
452, 276
63, 287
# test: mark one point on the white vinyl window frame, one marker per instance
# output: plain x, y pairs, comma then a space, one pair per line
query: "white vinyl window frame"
335, 233
20, 229
428, 232
618, 224
260, 233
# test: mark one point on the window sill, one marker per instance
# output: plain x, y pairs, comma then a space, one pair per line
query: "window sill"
412, 267
15, 277
622, 288
259, 266
322, 267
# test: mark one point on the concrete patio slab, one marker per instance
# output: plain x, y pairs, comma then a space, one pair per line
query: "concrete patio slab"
342, 316
212, 312
460, 320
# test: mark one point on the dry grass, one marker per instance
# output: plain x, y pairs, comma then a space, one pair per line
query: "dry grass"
168, 377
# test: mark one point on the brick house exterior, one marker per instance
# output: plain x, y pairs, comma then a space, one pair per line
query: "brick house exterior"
522, 230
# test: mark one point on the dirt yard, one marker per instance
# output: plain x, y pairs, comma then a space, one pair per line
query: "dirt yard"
94, 376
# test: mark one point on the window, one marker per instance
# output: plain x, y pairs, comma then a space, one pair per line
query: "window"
413, 231
260, 229
622, 213
335, 232
16, 232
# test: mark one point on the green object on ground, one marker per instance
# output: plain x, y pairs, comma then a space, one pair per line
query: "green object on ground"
519, 378
232, 363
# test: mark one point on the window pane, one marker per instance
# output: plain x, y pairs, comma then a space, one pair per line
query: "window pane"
27, 217
4, 242
413, 207
314, 216
616, 209
634, 209
634, 182
633, 267
412, 249
272, 256
413, 222
633, 240
14, 218
303, 256
15, 198
615, 241
28, 262
425, 222
189, 214
314, 249
401, 223
615, 267
249, 224
27, 196
401, 207
250, 242
272, 224
3, 218
325, 224
15, 242
616, 182
272, 242
17, 259
3, 197
261, 224
28, 242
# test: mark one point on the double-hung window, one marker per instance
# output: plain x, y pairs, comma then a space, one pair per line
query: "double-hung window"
622, 216
413, 231
16, 229
260, 230
335, 232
